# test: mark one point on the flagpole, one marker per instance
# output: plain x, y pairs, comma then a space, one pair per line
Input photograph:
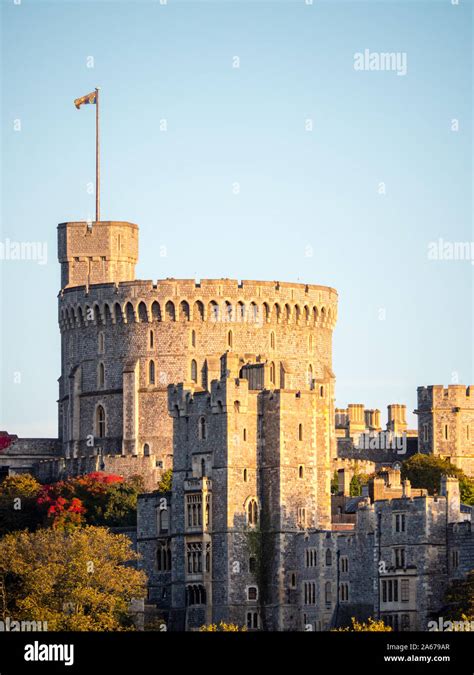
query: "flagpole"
97, 158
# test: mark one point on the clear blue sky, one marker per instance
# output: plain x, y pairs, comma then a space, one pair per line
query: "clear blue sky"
298, 189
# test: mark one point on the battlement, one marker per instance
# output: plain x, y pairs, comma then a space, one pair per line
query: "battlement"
439, 395
97, 252
215, 301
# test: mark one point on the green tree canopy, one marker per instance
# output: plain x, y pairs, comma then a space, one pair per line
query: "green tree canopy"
75, 580
425, 471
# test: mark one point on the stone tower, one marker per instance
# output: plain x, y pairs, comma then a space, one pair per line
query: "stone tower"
251, 470
123, 341
446, 423
97, 252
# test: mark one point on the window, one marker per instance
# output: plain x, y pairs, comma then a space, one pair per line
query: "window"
400, 560
300, 471
328, 557
194, 371
252, 512
425, 433
195, 595
292, 580
163, 557
301, 517
203, 468
252, 564
229, 339
272, 373
245, 475
300, 432
146, 450
328, 593
309, 589
194, 557
194, 510
344, 592
101, 343
244, 434
101, 376
164, 520
202, 427
272, 340
400, 522
321, 391
214, 311
390, 590
100, 421
310, 378
151, 372
344, 563
311, 557
405, 590
152, 339
446, 432
405, 622
454, 559
252, 620
252, 593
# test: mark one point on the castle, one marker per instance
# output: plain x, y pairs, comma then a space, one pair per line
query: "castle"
230, 384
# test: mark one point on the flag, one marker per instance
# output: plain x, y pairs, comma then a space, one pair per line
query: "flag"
88, 98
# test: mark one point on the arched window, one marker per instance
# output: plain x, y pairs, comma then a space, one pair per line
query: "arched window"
214, 311
101, 343
328, 557
300, 471
321, 391
193, 338
151, 372
101, 376
300, 432
253, 312
152, 339
252, 512
228, 311
229, 339
194, 371
100, 422
146, 450
240, 311
198, 312
170, 311
245, 475
202, 428
142, 313
244, 434
328, 593
156, 311
272, 373
184, 311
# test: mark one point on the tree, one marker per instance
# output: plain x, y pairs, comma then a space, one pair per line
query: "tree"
95, 499
223, 627
166, 481
371, 625
18, 496
357, 481
425, 471
76, 580
460, 598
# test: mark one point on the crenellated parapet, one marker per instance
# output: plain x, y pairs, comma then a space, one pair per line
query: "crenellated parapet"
222, 301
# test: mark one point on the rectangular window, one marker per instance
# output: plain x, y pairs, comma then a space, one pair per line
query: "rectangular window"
446, 432
405, 590
425, 433
400, 558
400, 521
